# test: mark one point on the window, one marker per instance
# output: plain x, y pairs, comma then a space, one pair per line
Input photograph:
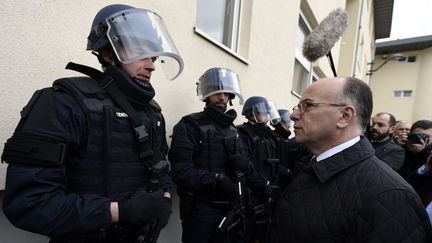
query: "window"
407, 59
226, 23
402, 93
302, 67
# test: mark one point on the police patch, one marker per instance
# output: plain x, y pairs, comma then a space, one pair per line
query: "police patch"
119, 114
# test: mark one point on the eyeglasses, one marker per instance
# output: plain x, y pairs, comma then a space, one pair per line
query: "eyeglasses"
303, 105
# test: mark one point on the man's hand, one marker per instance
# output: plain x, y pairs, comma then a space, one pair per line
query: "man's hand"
402, 138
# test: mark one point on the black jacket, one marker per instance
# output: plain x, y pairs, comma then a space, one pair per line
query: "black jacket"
390, 152
422, 184
350, 197
48, 199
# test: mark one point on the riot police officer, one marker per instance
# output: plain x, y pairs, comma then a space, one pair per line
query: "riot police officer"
210, 166
290, 153
257, 135
283, 127
264, 150
87, 159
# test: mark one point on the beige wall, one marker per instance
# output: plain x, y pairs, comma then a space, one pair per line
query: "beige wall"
43, 35
358, 42
423, 96
404, 76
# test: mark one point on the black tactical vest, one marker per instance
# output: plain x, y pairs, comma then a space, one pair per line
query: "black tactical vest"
108, 164
261, 149
212, 154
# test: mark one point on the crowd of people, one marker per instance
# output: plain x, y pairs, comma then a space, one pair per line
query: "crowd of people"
89, 160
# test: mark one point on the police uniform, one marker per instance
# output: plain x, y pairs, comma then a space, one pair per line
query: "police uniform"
204, 146
91, 150
197, 153
77, 147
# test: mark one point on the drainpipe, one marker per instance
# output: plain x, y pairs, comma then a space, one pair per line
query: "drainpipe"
358, 37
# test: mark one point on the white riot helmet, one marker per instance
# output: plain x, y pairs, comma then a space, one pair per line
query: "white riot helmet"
219, 80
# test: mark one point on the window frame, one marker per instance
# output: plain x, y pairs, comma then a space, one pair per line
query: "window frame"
304, 28
232, 29
403, 94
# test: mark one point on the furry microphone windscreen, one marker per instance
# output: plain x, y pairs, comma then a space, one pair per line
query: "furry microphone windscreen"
321, 40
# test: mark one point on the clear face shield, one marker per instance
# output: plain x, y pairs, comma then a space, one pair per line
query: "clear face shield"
266, 111
285, 120
218, 80
136, 34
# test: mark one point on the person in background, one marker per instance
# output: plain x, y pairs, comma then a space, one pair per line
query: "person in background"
341, 196
87, 159
385, 148
290, 152
283, 127
400, 132
416, 165
271, 153
210, 166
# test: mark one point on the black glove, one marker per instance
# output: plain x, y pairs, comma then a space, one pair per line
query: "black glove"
161, 221
224, 184
141, 206
239, 162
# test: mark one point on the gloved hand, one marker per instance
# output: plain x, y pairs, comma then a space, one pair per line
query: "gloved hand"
239, 162
141, 206
224, 184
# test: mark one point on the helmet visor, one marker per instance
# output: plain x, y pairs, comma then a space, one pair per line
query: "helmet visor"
285, 117
218, 80
266, 111
136, 34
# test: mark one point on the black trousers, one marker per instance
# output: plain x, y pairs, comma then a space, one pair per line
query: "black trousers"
115, 234
201, 226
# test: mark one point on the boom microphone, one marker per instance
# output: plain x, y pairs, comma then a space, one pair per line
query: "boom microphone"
321, 40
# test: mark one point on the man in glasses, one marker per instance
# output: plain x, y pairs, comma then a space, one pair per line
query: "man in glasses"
345, 194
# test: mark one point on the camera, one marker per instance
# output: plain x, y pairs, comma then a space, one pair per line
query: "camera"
416, 138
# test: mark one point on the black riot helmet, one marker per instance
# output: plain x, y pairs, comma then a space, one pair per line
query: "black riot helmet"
219, 80
97, 37
135, 34
261, 109
285, 115
285, 118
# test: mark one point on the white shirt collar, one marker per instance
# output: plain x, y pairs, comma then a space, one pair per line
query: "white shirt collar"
338, 148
